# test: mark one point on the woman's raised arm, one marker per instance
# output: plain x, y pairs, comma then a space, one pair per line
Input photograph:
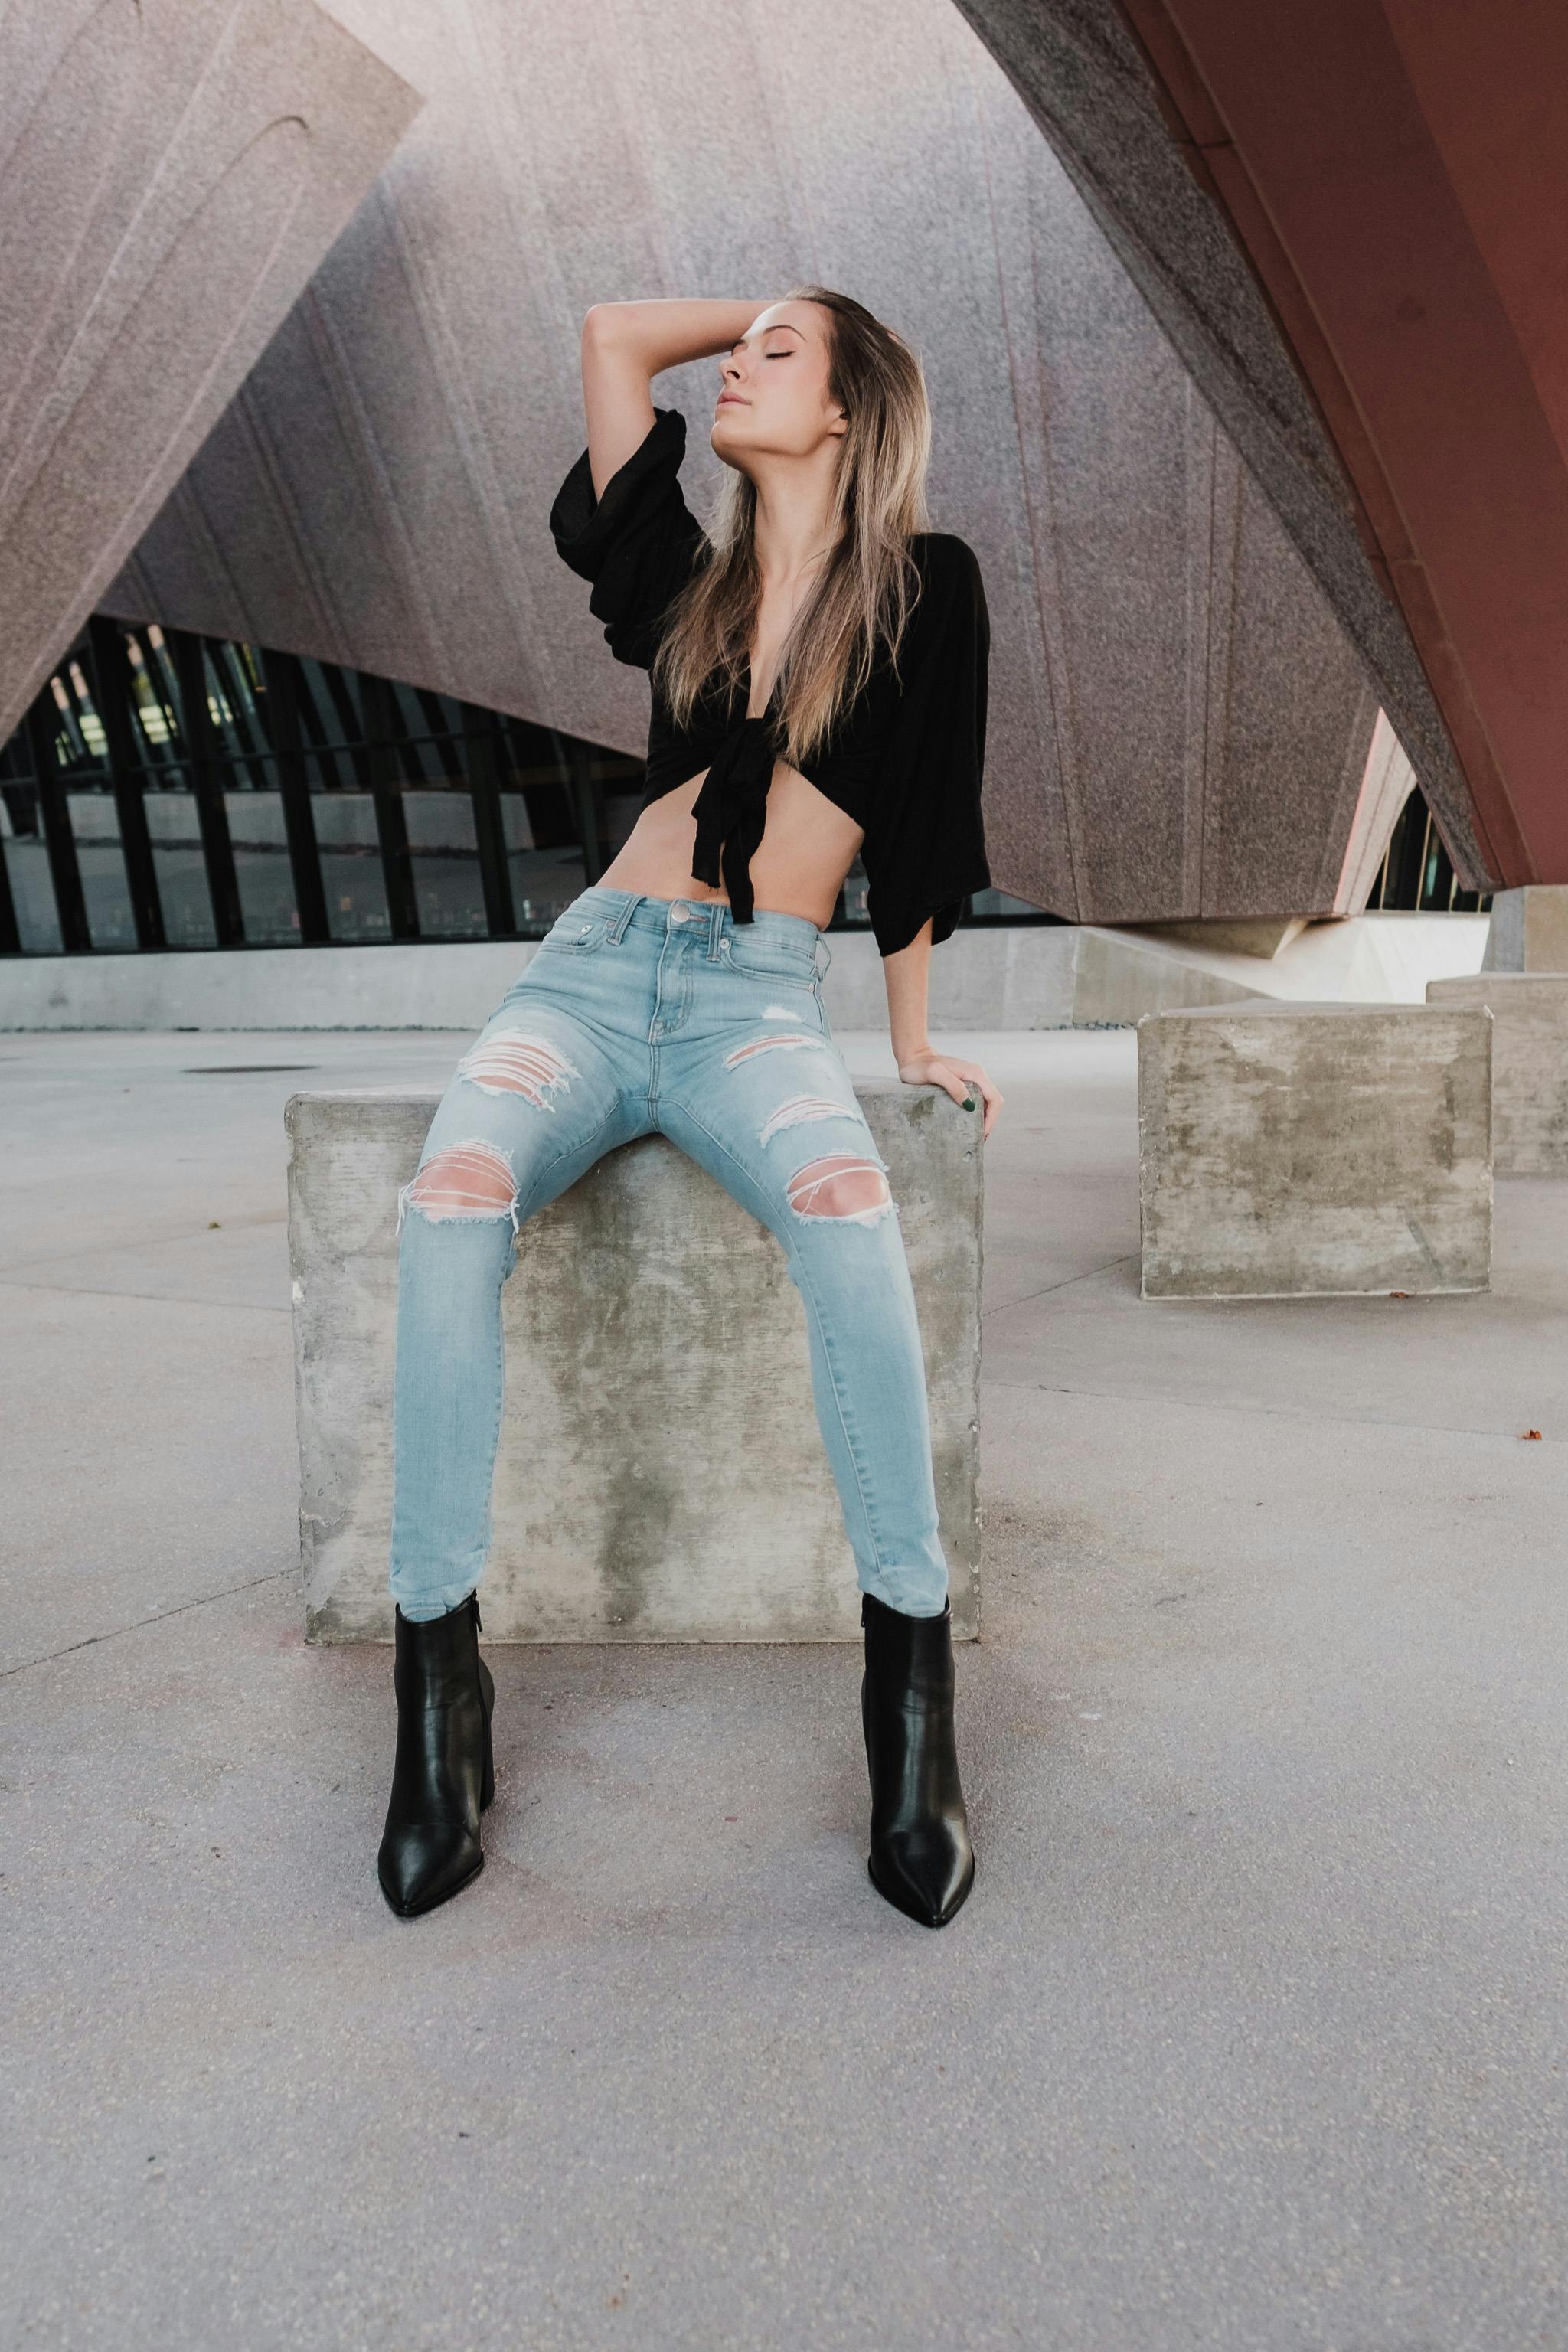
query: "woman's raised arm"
625, 346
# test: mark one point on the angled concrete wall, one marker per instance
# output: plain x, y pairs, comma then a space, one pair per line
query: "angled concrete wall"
1089, 86
1178, 726
171, 174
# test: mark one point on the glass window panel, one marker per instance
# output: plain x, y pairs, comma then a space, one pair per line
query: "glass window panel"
148, 713
95, 825
852, 900
622, 810
544, 881
351, 866
447, 884
262, 868
32, 892
174, 831
997, 902
88, 743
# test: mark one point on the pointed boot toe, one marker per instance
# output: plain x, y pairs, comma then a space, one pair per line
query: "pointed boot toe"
920, 1860
444, 1772
926, 1877
421, 1863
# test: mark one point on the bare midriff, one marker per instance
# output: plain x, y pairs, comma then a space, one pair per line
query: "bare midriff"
807, 847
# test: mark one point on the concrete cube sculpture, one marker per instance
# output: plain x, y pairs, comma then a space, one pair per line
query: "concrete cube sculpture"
1530, 1063
661, 1476
1528, 929
1298, 1151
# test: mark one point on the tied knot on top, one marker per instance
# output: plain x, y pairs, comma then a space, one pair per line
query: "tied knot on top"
732, 810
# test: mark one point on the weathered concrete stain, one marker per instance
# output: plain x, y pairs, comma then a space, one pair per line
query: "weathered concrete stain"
1530, 1063
1290, 1150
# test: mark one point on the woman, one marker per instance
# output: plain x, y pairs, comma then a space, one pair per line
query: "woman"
819, 672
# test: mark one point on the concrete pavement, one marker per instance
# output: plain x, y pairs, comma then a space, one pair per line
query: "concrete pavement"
1252, 2035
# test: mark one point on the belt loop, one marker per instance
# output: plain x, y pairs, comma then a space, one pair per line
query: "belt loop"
618, 922
715, 929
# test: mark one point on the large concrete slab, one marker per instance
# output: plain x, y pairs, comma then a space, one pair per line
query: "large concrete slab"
672, 1487
1290, 1150
1530, 1063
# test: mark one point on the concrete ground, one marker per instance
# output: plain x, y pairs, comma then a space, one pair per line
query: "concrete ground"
1252, 2035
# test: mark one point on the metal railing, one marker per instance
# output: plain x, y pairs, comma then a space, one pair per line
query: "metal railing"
1417, 875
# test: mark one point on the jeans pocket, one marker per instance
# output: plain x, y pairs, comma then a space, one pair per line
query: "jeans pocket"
773, 966
575, 935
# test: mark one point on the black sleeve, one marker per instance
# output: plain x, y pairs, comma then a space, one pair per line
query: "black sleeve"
924, 853
637, 543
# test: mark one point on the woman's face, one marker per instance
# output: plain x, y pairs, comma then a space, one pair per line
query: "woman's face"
772, 398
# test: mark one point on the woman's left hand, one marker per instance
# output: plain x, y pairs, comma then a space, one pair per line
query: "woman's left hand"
963, 1081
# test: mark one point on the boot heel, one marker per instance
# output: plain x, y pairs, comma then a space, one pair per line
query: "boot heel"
488, 1701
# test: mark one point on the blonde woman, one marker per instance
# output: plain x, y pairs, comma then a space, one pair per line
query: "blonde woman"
817, 662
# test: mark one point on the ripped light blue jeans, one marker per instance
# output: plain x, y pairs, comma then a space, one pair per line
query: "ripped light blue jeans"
637, 1017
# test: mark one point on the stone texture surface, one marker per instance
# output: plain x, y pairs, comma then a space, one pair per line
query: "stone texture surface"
661, 1475
1178, 727
1301, 1150
1087, 84
171, 172
1528, 929
1529, 1065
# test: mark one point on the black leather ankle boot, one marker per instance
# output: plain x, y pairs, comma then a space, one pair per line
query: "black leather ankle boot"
443, 1775
920, 1857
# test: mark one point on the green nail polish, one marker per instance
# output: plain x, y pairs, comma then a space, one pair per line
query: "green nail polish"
969, 1102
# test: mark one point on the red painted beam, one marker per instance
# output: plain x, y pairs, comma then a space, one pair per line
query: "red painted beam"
1398, 175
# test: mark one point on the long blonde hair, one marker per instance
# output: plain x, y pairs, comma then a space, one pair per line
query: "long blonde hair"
867, 586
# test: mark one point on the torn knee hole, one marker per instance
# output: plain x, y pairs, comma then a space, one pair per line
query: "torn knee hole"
801, 1109
510, 1062
465, 1179
783, 1041
844, 1186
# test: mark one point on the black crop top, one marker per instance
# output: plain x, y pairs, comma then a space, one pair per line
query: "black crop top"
906, 760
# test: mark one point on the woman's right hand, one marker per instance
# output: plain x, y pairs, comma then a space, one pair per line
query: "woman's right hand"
625, 346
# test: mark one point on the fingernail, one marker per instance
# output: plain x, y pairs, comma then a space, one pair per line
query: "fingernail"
969, 1102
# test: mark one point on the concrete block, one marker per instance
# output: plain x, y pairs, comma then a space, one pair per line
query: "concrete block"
1528, 929
661, 1475
1299, 1150
1530, 1063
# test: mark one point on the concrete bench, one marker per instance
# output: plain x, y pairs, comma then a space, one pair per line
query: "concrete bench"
1530, 1063
671, 1484
1299, 1150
